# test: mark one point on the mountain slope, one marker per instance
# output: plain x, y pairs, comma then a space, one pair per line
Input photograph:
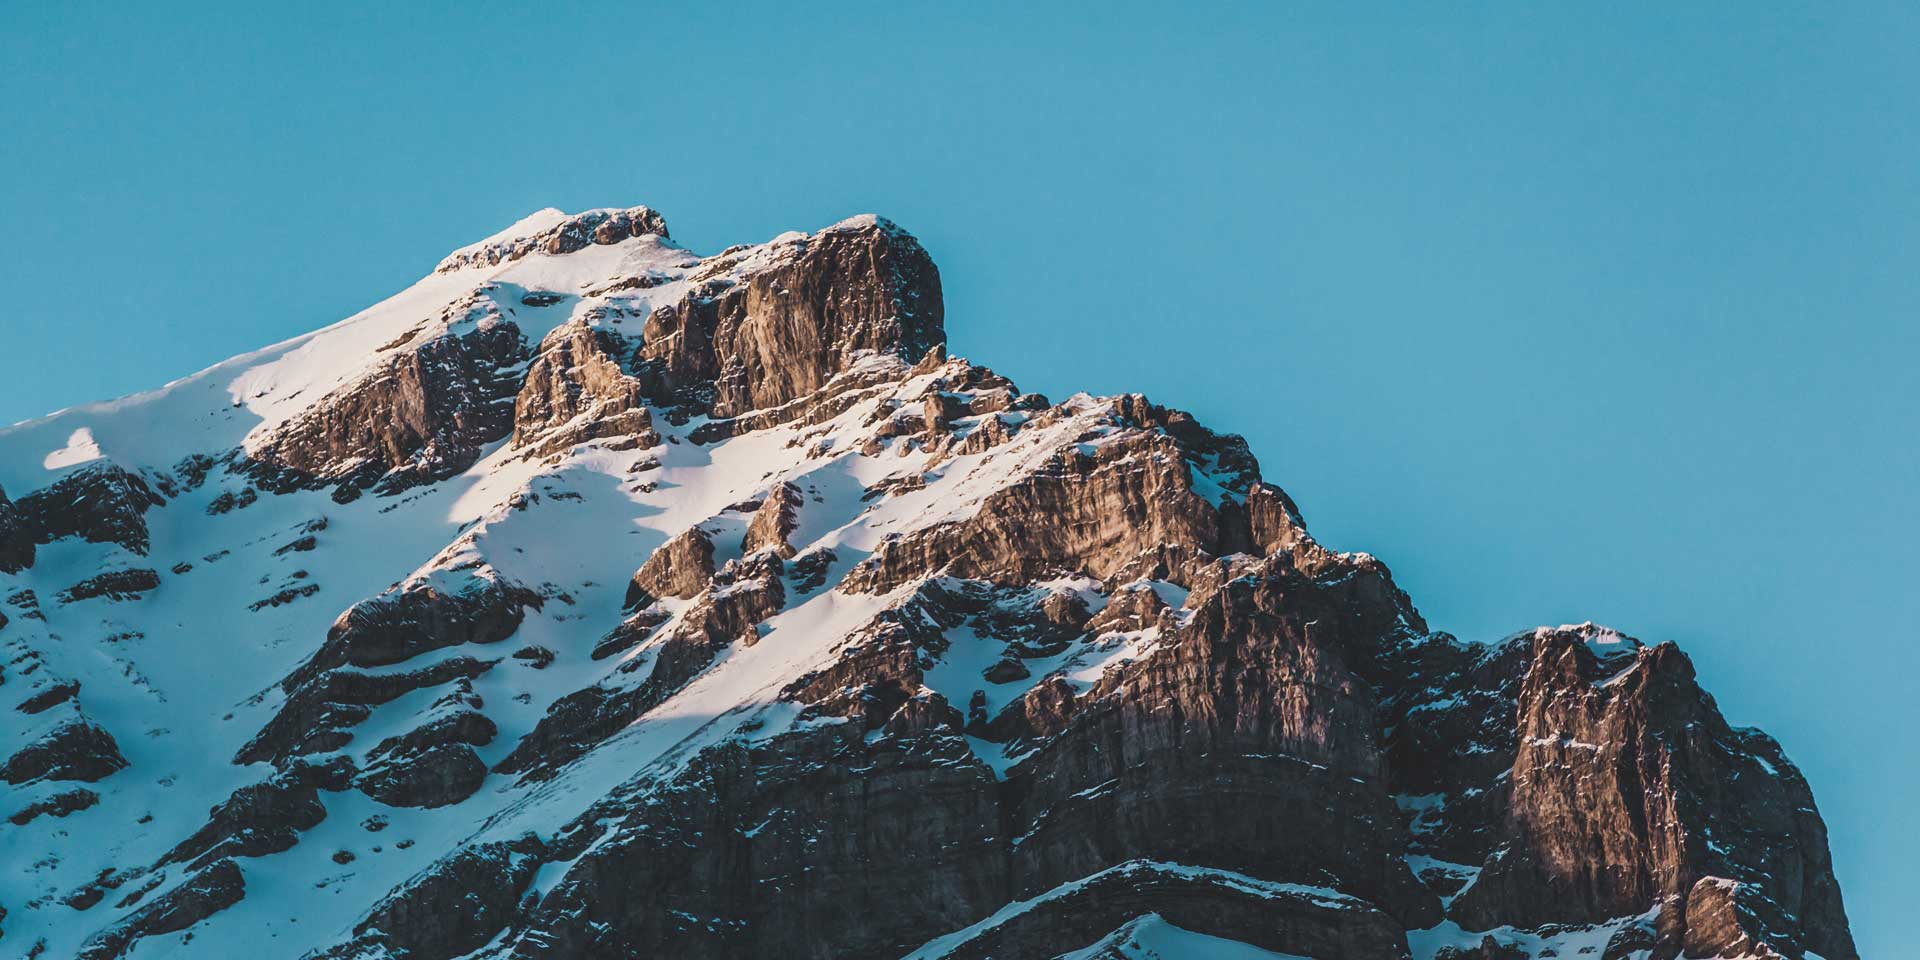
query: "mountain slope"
594, 598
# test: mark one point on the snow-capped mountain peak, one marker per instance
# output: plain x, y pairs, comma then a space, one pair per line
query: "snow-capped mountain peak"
591, 597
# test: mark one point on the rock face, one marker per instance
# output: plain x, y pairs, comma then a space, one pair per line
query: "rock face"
423, 415
97, 503
74, 750
578, 390
1628, 788
16, 538
593, 598
779, 323
211, 890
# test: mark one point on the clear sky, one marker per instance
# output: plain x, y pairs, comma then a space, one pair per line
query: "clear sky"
1567, 313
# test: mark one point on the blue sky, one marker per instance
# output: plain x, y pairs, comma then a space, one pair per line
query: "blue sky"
1565, 313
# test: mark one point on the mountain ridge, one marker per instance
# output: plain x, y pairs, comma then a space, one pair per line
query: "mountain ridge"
664, 581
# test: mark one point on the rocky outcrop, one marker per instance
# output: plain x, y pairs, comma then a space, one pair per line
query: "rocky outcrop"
680, 568
485, 880
726, 613
775, 519
815, 845
1247, 744
264, 817
423, 415
568, 235
320, 714
1082, 510
1628, 789
416, 619
577, 390
766, 328
76, 749
16, 538
99, 503
435, 776
55, 805
327, 696
114, 585
205, 893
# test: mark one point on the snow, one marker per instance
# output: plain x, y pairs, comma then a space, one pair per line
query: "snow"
533, 224
1320, 896
81, 448
243, 399
1565, 942
1151, 937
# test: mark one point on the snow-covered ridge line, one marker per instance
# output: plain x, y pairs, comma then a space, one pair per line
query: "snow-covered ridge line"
552, 232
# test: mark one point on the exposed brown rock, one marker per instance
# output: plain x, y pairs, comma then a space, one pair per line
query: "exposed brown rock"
423, 416
574, 233
397, 626
50, 695
413, 921
1247, 745
436, 776
321, 712
1081, 511
1627, 788
264, 817
56, 805
114, 585
776, 518
816, 845
744, 595
680, 568
785, 329
576, 390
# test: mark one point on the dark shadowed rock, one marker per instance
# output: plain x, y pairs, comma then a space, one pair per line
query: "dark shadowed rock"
99, 503
264, 817
434, 777
206, 893
774, 520
408, 622
74, 750
1626, 789
16, 538
58, 805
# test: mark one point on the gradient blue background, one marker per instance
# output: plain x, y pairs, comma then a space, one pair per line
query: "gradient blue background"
1566, 314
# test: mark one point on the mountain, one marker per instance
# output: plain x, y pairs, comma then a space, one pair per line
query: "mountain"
594, 598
